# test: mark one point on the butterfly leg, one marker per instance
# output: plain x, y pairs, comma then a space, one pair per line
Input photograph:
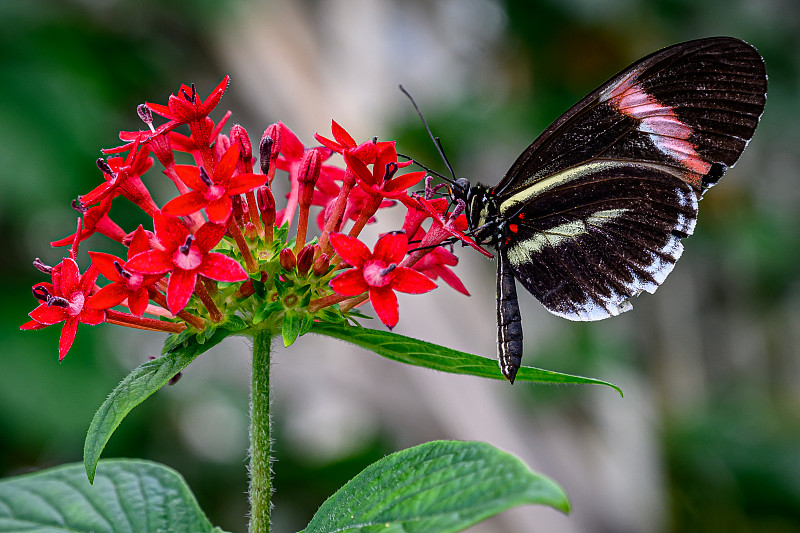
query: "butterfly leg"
509, 322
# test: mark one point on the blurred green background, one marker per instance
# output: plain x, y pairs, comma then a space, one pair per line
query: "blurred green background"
707, 437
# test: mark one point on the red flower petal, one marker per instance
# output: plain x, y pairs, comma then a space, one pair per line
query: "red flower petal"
222, 268
92, 317
219, 210
139, 242
151, 262
171, 232
391, 247
401, 183
410, 281
49, 314
108, 296
245, 183
227, 164
384, 301
70, 277
350, 249
359, 169
209, 236
185, 204
349, 283
180, 289
105, 264
32, 325
67, 337
341, 135
190, 175
137, 301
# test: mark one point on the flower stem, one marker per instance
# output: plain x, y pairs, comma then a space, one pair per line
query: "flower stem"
260, 441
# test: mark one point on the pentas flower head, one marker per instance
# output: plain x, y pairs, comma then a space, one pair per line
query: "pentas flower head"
64, 300
222, 239
212, 192
378, 273
186, 256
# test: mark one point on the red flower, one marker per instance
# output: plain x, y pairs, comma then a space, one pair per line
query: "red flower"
123, 177
95, 219
185, 256
212, 192
126, 284
445, 225
188, 107
436, 264
377, 273
381, 180
64, 300
366, 152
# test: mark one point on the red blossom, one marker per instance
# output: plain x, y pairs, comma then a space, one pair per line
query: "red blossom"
123, 177
381, 179
95, 219
64, 300
188, 107
378, 273
185, 256
212, 192
126, 283
436, 264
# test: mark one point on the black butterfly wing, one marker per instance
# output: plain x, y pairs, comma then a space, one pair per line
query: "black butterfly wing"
595, 208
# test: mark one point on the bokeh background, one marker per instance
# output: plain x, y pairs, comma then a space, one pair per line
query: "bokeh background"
707, 437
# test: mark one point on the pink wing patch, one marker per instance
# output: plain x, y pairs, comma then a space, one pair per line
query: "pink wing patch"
659, 121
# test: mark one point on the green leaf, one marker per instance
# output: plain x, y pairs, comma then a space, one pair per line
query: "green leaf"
137, 386
291, 327
128, 495
425, 354
437, 487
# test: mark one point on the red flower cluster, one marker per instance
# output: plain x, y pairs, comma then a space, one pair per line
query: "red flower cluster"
219, 250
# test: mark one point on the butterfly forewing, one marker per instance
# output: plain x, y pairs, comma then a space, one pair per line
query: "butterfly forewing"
593, 211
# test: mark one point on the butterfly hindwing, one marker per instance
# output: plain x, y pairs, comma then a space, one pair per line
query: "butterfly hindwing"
615, 230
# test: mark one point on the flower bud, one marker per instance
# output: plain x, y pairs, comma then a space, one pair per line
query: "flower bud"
321, 265
307, 176
240, 138
287, 259
264, 151
221, 146
305, 259
266, 205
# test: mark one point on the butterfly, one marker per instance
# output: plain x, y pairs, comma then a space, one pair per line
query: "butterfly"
593, 212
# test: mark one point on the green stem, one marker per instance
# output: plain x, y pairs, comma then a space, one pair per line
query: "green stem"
260, 443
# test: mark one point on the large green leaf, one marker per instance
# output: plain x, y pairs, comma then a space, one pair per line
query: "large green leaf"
127, 496
437, 487
135, 388
420, 353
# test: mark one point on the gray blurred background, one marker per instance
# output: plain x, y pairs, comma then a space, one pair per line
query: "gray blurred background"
707, 437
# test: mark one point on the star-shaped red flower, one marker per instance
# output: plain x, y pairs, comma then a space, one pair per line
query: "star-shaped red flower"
213, 192
126, 283
64, 300
186, 256
377, 272
188, 107
381, 179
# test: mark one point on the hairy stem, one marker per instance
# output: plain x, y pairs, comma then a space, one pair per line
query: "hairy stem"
260, 442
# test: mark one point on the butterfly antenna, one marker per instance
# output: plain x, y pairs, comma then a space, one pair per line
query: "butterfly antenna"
435, 140
423, 167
